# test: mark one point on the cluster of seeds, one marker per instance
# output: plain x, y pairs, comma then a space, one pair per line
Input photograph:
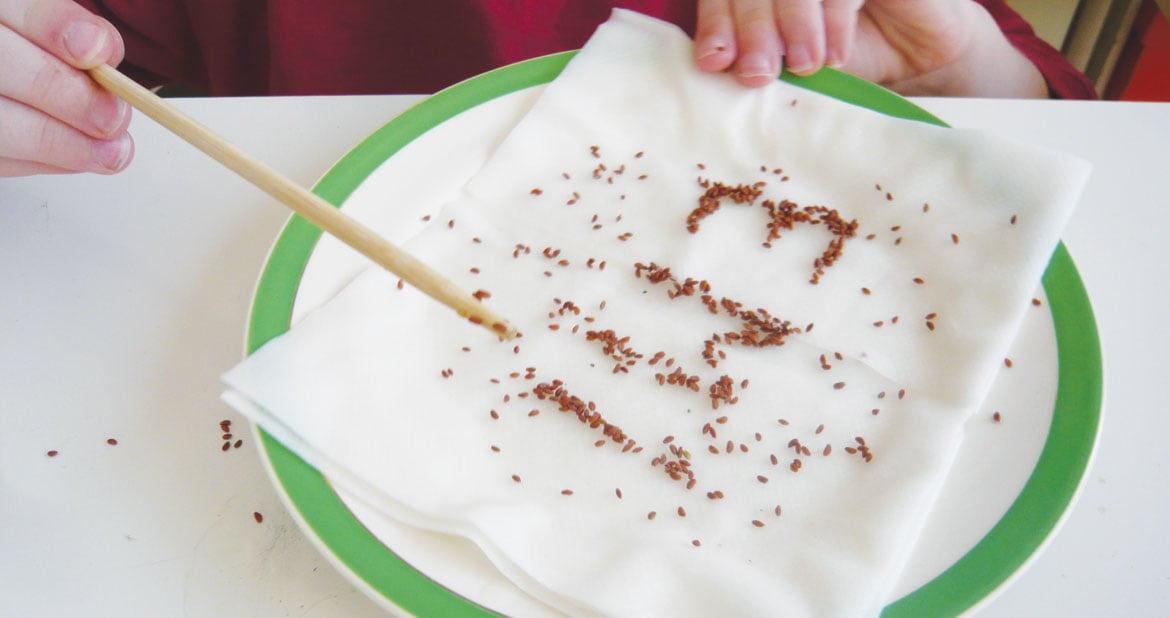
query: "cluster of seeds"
679, 467
782, 216
616, 348
225, 429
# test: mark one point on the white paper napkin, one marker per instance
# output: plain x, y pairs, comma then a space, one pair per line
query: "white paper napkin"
885, 357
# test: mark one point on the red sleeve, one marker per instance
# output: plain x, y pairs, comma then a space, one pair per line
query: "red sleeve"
217, 46
300, 47
1064, 80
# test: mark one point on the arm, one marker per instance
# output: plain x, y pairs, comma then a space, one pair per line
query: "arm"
1063, 79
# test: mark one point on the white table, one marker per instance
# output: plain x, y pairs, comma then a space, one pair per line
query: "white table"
125, 297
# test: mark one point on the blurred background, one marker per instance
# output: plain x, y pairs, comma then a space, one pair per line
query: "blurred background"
1122, 45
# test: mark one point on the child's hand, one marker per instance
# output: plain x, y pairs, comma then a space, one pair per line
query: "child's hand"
53, 117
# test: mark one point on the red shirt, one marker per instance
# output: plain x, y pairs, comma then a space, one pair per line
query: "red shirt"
298, 47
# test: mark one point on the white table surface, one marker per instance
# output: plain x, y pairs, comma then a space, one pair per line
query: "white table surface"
125, 297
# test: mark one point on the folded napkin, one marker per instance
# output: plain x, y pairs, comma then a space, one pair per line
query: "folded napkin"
754, 323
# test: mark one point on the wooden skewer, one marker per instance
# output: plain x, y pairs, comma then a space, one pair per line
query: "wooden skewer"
304, 202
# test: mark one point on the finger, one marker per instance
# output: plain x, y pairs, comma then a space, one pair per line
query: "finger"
715, 47
27, 134
840, 29
758, 43
802, 26
65, 30
11, 168
34, 77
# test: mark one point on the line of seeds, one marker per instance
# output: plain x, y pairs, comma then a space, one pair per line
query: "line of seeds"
758, 328
586, 411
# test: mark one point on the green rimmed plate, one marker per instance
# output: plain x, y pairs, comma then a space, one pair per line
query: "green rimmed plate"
1025, 506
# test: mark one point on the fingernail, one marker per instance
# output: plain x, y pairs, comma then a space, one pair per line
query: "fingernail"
107, 118
84, 41
799, 60
833, 59
710, 47
113, 154
755, 64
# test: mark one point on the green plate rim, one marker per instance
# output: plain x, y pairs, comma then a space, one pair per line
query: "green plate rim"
1016, 538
